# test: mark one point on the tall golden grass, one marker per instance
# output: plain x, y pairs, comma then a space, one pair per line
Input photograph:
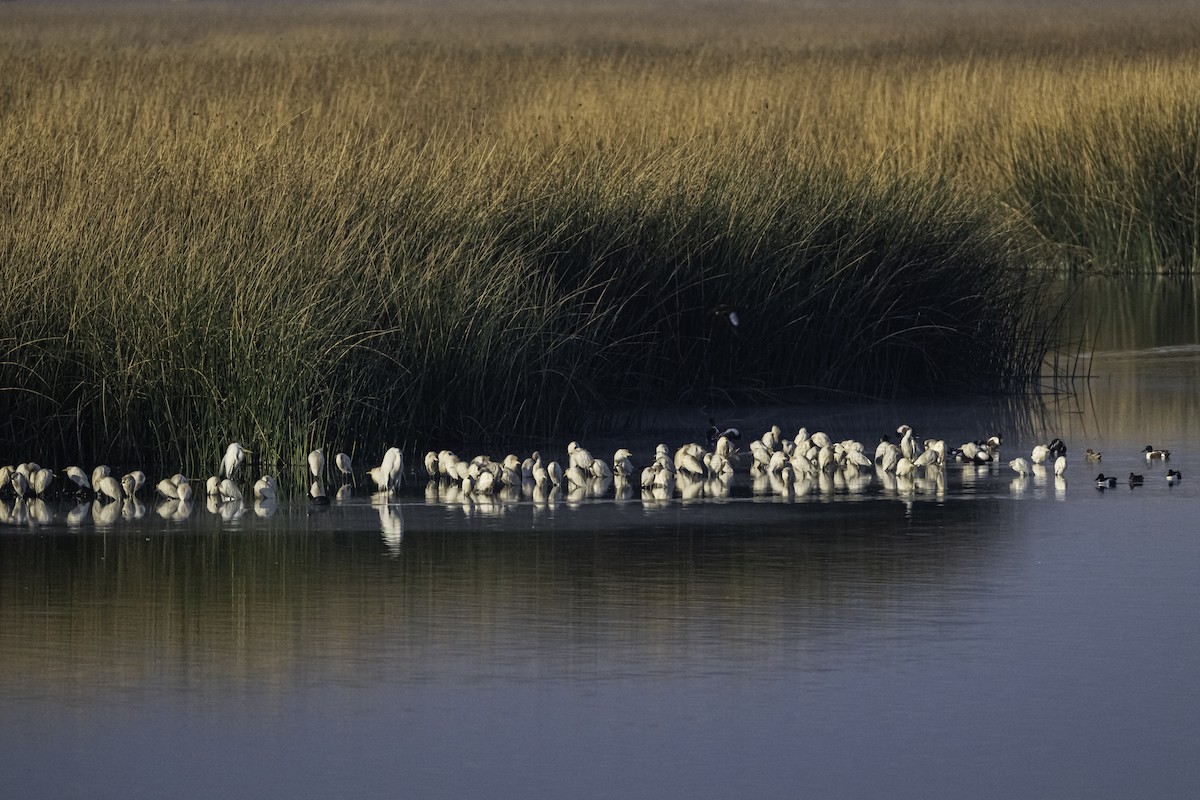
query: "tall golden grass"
366, 223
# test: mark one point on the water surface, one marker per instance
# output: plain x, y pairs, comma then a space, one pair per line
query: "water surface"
978, 636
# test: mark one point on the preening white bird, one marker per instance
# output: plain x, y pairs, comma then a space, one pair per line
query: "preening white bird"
264, 488
316, 462
136, 479
230, 491
393, 466
578, 456
98, 473
109, 487
1060, 465
1040, 453
78, 477
40, 481
1020, 466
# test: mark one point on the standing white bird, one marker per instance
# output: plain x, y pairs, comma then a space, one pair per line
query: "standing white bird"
380, 476
1020, 466
623, 463
1060, 465
132, 482
78, 477
393, 466
316, 462
342, 460
235, 454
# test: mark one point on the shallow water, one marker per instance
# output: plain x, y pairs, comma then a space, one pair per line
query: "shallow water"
980, 635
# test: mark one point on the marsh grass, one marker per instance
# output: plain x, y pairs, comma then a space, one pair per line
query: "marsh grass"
371, 225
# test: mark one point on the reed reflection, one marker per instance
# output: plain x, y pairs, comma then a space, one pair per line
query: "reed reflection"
412, 591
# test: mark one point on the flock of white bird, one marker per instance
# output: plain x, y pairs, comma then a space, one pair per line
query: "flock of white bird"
778, 464
114, 497
787, 466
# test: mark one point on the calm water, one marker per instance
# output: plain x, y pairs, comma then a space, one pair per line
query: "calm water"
977, 636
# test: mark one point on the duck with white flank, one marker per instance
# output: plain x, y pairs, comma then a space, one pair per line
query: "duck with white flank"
1156, 455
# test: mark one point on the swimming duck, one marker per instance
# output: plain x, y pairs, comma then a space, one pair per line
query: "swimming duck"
1136, 480
1091, 456
1103, 482
1173, 477
1156, 455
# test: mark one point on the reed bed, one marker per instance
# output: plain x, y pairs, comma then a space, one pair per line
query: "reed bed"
369, 224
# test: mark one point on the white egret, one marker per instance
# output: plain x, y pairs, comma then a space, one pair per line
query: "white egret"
316, 462
235, 454
40, 481
135, 479
78, 477
342, 462
578, 456
623, 463
1020, 466
1060, 465
99, 472
264, 488
379, 476
393, 466
108, 486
